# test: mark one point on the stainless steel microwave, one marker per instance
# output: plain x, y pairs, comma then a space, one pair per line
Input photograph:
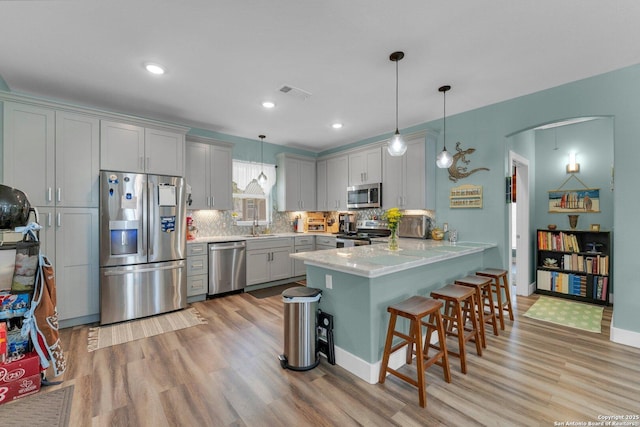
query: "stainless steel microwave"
364, 196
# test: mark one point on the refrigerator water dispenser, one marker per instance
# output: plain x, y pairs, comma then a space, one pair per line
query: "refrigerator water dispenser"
124, 237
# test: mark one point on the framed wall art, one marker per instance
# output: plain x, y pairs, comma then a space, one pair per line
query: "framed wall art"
568, 201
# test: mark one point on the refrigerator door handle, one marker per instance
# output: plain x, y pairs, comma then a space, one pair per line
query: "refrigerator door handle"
116, 272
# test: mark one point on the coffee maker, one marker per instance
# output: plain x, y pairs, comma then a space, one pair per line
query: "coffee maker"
347, 222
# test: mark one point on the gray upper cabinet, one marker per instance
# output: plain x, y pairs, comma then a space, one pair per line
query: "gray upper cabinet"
321, 185
332, 181
51, 155
404, 184
296, 183
132, 148
209, 173
365, 166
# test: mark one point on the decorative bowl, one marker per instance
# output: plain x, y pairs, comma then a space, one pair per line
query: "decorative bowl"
550, 262
552, 226
437, 234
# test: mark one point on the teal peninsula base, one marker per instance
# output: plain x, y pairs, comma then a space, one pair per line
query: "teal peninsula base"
359, 283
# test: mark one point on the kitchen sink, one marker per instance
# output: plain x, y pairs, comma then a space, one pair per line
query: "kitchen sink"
259, 235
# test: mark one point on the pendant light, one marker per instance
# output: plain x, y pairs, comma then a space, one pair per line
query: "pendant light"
396, 145
444, 158
262, 178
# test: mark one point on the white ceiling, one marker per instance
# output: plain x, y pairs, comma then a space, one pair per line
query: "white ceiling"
225, 57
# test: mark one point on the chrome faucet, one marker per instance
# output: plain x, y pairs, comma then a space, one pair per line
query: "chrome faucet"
254, 226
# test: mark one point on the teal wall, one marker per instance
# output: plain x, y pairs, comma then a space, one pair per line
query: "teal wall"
3, 85
593, 143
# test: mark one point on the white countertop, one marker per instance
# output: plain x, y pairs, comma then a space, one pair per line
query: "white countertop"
218, 239
377, 260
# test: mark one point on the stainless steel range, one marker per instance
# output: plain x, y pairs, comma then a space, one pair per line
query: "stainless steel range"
366, 230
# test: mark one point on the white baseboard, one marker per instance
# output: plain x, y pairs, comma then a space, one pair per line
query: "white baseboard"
623, 336
370, 372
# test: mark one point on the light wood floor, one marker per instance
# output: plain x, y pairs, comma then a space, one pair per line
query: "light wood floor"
227, 373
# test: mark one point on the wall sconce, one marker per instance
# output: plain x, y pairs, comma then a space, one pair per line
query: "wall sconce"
573, 167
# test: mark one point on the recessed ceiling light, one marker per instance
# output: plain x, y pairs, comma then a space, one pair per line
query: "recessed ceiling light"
268, 104
337, 125
154, 68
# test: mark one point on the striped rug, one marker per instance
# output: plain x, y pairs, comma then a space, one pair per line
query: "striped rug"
119, 333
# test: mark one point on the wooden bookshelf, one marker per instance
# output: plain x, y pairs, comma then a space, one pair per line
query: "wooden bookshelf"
574, 264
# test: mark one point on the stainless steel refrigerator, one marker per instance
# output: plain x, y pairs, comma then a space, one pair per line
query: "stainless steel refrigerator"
142, 245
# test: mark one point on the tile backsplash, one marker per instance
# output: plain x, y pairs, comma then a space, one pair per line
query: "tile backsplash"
221, 223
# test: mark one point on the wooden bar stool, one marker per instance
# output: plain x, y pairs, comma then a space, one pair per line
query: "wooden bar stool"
484, 300
496, 274
416, 309
460, 303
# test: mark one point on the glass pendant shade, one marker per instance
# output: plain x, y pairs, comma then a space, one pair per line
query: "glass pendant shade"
397, 146
262, 178
444, 159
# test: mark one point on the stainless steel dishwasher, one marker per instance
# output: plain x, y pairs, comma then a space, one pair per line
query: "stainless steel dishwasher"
227, 267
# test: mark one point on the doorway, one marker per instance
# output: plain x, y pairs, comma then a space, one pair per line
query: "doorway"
520, 239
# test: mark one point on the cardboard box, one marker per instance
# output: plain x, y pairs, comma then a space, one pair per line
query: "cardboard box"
21, 388
19, 377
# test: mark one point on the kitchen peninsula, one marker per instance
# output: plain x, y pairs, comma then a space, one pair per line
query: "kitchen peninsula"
359, 283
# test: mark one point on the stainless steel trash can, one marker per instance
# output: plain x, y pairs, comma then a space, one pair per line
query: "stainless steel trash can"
300, 328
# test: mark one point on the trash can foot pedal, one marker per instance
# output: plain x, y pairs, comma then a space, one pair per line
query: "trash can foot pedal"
283, 361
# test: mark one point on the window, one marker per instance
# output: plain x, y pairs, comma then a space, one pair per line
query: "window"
250, 200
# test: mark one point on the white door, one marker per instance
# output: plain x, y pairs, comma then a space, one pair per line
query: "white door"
520, 221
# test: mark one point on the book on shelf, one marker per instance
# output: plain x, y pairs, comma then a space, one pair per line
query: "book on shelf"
600, 287
558, 241
564, 283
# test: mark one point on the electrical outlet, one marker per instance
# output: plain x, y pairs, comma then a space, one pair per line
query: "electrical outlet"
328, 281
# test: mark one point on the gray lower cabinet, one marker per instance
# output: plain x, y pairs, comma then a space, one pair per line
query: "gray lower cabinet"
268, 259
197, 271
302, 244
69, 238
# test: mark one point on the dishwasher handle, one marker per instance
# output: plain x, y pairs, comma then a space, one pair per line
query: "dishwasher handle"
226, 246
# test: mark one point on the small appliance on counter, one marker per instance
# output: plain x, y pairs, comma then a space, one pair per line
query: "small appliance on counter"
415, 226
347, 223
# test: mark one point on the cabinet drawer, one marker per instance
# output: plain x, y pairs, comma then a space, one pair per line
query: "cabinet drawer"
197, 285
196, 249
197, 265
269, 243
304, 240
326, 241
